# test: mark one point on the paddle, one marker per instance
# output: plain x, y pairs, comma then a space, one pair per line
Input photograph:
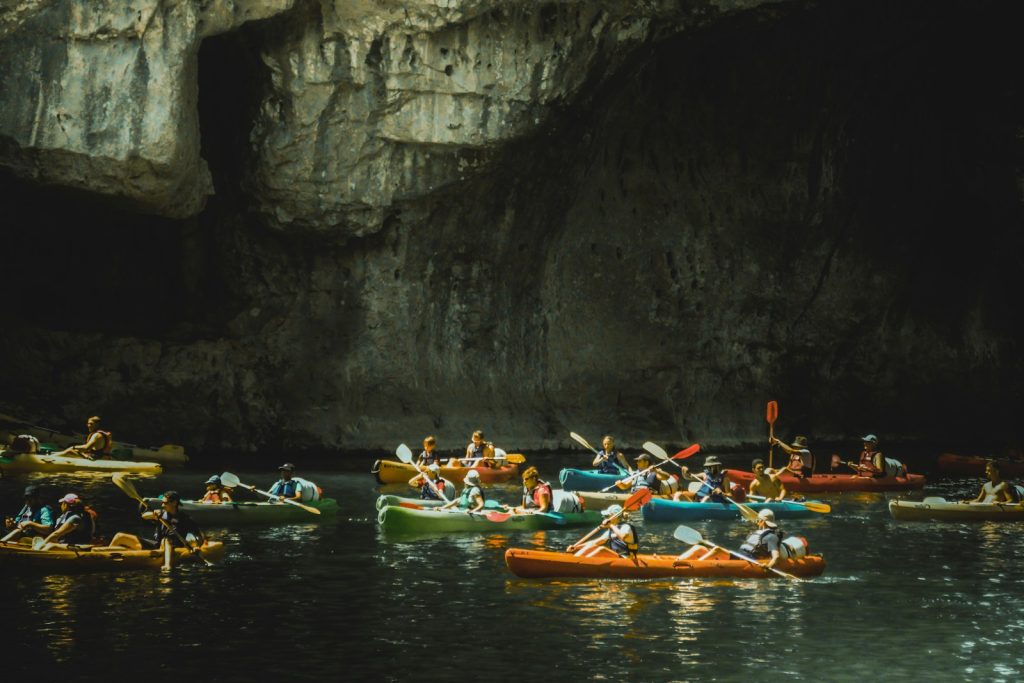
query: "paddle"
681, 455
771, 415
122, 482
811, 505
637, 500
496, 516
583, 442
405, 455
746, 512
231, 481
693, 537
514, 458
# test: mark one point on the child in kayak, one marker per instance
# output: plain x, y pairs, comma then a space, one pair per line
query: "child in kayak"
429, 454
215, 492
432, 485
472, 497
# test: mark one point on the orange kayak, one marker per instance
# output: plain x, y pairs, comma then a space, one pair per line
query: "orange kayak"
392, 472
537, 564
817, 483
974, 465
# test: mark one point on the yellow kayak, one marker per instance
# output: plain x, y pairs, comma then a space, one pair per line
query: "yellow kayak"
168, 453
66, 559
11, 462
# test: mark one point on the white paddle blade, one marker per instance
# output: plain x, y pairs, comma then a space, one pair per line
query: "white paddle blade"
403, 453
687, 535
229, 480
581, 441
655, 450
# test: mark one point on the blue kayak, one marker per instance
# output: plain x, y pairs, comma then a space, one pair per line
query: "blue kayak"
664, 510
587, 480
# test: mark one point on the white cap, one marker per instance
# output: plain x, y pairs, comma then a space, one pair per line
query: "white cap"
434, 467
472, 477
611, 510
768, 516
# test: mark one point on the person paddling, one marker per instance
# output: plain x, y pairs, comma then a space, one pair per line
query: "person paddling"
34, 519
176, 522
714, 482
996, 490
801, 460
75, 526
609, 460
873, 464
766, 542
98, 444
766, 482
432, 485
287, 487
650, 479
620, 537
472, 497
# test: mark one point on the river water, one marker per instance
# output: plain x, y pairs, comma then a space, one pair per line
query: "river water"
337, 600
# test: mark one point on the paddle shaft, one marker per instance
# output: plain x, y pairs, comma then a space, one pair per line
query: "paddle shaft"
635, 500
296, 503
750, 560
129, 489
813, 507
771, 414
745, 511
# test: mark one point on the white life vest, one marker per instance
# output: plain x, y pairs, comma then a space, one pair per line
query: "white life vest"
308, 490
565, 501
894, 468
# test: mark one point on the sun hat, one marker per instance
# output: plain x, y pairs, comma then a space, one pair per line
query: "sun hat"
768, 516
611, 510
287, 466
213, 480
434, 467
869, 438
70, 499
800, 442
472, 477
712, 461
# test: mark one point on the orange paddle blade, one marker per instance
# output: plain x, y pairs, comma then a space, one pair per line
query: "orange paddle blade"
638, 499
772, 412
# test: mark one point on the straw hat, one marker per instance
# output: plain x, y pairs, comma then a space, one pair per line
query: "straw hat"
768, 516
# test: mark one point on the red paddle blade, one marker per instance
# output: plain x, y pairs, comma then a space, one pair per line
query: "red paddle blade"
772, 412
496, 516
687, 452
411, 506
638, 499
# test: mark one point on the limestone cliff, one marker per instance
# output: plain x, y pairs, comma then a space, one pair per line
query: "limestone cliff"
642, 217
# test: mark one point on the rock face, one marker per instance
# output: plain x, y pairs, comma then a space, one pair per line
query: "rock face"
645, 218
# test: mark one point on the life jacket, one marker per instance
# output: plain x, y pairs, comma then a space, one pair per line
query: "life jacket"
647, 480
427, 491
608, 464
867, 465
755, 545
284, 488
466, 497
35, 514
710, 483
621, 547
477, 451
430, 458
566, 501
108, 442
894, 468
310, 491
84, 531
531, 498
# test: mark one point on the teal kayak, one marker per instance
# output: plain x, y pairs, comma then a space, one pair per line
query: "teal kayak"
587, 480
664, 510
396, 518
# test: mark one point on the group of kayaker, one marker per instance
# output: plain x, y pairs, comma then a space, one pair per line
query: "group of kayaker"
76, 523
479, 453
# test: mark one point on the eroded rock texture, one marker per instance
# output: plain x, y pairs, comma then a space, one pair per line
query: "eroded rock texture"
639, 217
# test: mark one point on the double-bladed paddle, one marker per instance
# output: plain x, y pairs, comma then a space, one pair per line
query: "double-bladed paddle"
231, 481
122, 482
636, 500
405, 455
693, 537
811, 505
681, 455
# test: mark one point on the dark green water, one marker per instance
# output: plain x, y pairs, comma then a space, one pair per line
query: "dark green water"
338, 601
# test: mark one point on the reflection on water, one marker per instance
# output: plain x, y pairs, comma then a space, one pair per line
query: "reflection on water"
339, 600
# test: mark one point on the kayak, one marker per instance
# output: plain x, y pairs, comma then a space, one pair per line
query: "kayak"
396, 518
67, 559
168, 453
974, 465
253, 512
664, 510
819, 483
596, 500
38, 462
392, 472
942, 510
536, 564
587, 480
404, 501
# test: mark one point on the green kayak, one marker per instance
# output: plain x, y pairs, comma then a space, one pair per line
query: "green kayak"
394, 518
253, 512
405, 501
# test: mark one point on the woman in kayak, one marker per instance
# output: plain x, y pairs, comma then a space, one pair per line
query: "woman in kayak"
873, 464
609, 460
995, 490
766, 482
537, 495
479, 453
432, 485
620, 537
98, 444
801, 460
472, 497
75, 526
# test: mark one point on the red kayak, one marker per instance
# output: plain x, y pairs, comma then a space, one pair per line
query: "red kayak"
819, 483
974, 465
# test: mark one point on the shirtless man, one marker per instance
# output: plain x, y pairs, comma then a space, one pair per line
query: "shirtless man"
766, 482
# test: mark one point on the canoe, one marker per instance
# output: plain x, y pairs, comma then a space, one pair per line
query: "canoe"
974, 465
402, 519
38, 462
253, 512
664, 510
168, 453
537, 564
69, 559
587, 480
820, 483
942, 510
391, 472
